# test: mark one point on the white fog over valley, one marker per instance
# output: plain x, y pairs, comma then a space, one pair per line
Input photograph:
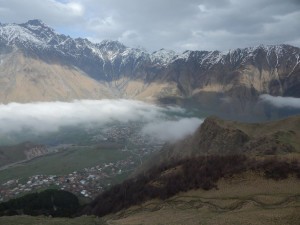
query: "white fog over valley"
281, 102
42, 117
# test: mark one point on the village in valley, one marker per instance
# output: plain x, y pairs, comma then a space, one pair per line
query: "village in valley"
87, 183
90, 181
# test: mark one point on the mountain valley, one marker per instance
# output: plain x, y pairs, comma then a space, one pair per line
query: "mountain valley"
133, 137
262, 182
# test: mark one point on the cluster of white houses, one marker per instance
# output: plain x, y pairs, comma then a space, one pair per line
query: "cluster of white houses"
88, 182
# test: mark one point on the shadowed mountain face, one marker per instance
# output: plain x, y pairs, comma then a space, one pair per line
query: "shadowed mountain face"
30, 51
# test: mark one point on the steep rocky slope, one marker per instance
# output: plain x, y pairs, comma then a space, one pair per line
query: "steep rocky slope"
237, 76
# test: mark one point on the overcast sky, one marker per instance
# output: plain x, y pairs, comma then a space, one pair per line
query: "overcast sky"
170, 24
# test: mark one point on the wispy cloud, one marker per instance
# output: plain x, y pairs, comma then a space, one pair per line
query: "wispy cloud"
281, 102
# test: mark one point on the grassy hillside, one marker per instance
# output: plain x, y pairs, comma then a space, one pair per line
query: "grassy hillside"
247, 198
286, 131
172, 178
216, 136
201, 160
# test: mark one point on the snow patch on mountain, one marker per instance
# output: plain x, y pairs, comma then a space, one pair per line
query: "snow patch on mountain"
184, 56
162, 56
13, 33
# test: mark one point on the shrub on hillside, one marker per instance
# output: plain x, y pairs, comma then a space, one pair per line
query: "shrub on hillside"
56, 203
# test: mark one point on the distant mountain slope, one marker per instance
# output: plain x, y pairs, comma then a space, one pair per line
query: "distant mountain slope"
238, 76
26, 79
23, 151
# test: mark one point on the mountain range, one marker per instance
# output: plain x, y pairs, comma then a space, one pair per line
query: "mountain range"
230, 160
38, 64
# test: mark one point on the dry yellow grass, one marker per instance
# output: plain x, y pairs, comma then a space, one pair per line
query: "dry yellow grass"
245, 199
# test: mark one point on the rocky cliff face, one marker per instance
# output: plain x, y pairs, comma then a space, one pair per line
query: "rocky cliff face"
134, 73
35, 151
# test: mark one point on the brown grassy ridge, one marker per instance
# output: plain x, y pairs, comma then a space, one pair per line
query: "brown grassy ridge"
202, 172
246, 198
221, 137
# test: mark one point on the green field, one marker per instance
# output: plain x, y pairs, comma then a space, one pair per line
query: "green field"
64, 162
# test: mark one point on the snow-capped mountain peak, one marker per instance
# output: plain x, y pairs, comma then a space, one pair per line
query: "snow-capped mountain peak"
108, 45
16, 34
35, 23
163, 56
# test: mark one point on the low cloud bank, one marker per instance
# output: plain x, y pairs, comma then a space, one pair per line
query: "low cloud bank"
51, 116
281, 102
172, 130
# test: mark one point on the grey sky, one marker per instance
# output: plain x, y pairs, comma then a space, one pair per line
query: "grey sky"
171, 24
